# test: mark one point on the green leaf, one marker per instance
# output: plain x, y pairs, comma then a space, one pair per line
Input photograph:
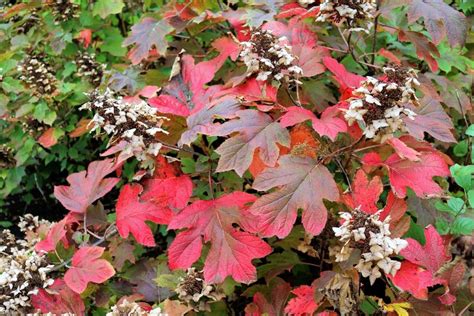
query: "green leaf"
442, 226
104, 8
12, 85
463, 175
470, 130
463, 226
461, 149
278, 263
456, 204
470, 197
112, 42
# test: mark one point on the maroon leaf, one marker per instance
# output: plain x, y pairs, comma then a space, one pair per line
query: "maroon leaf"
145, 35
86, 187
256, 131
424, 48
303, 184
231, 250
440, 19
58, 299
432, 119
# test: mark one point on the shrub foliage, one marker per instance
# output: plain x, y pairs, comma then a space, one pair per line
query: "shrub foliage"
296, 157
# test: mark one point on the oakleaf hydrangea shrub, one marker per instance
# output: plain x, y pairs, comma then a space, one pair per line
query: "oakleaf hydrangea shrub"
293, 157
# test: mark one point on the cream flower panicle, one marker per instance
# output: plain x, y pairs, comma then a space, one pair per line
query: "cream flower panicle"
372, 236
269, 57
379, 107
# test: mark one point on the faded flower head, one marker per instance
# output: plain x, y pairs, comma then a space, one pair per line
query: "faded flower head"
356, 14
64, 10
22, 271
192, 289
88, 67
37, 73
7, 159
372, 237
379, 106
269, 57
135, 123
133, 309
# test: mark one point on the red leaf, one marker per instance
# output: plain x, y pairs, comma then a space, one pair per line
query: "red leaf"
186, 94
403, 150
256, 130
231, 250
85, 37
435, 257
58, 299
49, 138
413, 279
132, 214
87, 267
365, 193
303, 184
432, 119
173, 192
202, 122
424, 48
389, 55
148, 33
440, 20
55, 234
82, 127
303, 45
417, 175
304, 303
329, 125
347, 80
86, 187
432, 256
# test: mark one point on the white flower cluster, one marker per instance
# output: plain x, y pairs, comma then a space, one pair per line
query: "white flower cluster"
372, 236
357, 14
38, 75
192, 288
305, 3
133, 309
379, 106
269, 57
22, 271
135, 123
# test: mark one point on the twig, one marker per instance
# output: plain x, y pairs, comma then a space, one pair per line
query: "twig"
374, 40
345, 174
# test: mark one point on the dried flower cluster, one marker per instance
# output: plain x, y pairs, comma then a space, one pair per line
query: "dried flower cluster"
6, 157
192, 289
269, 57
379, 106
22, 270
38, 74
135, 123
133, 309
88, 67
64, 10
372, 237
357, 14
25, 23
341, 293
